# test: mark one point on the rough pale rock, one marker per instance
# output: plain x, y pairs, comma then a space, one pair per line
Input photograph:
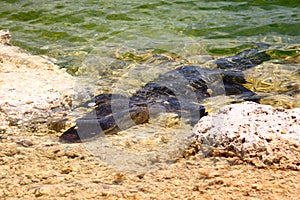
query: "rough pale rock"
32, 88
4, 37
260, 134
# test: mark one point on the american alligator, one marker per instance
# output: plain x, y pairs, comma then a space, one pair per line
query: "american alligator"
178, 91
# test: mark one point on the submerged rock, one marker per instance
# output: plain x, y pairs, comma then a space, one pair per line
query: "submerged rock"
259, 134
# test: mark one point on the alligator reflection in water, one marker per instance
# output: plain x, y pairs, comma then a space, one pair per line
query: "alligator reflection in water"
178, 91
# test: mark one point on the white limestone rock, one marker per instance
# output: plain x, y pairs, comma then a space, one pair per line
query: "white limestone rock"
259, 134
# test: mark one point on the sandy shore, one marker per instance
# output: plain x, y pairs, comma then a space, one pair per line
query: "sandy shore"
35, 101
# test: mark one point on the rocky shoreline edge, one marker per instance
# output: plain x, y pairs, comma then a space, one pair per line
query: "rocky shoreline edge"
34, 107
34, 91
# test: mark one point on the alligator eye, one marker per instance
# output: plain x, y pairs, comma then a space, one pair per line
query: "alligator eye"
267, 81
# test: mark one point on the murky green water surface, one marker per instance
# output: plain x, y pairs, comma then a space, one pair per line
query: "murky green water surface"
118, 45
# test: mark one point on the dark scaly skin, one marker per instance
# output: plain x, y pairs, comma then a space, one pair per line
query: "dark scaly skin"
178, 91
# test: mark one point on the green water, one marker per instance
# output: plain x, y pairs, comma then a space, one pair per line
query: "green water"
71, 31
63, 27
